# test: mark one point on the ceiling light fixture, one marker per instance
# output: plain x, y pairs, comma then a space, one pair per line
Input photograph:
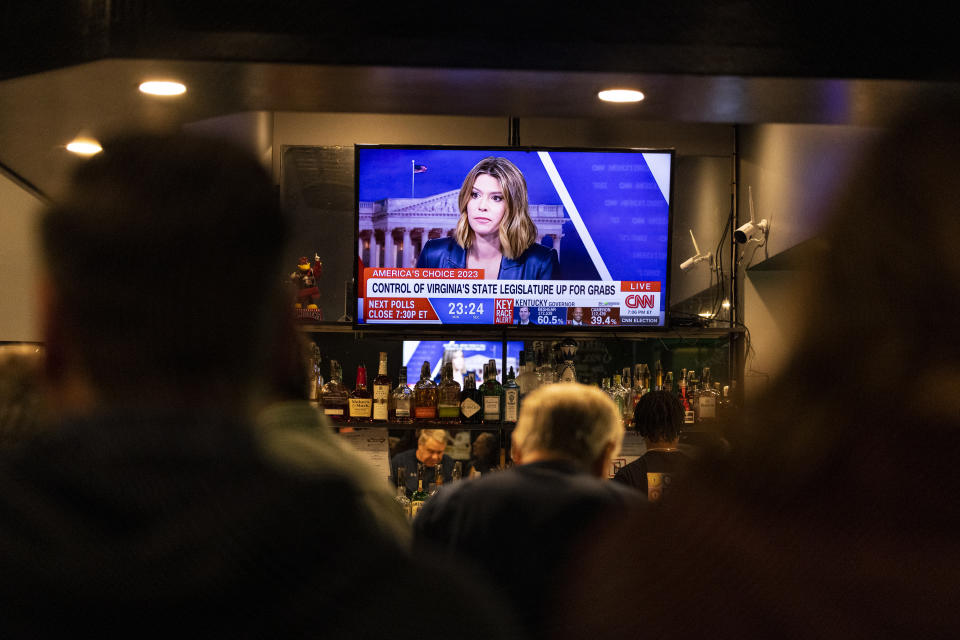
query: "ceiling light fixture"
163, 88
620, 95
84, 147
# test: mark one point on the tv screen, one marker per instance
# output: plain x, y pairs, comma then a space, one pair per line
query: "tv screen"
464, 355
513, 236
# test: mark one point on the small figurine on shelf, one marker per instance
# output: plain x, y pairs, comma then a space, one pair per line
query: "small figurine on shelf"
306, 277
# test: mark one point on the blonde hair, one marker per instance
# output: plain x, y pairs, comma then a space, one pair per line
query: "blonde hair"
439, 435
573, 420
517, 230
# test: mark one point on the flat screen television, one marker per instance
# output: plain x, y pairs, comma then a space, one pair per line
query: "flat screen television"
465, 355
586, 243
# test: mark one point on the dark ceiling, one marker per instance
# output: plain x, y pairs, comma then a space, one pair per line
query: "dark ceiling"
786, 39
71, 67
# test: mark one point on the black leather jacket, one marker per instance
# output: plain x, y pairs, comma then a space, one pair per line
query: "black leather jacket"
536, 263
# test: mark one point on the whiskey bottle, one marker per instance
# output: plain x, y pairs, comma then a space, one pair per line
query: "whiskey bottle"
425, 395
401, 400
688, 417
448, 397
527, 379
334, 396
471, 401
644, 378
628, 399
545, 371
511, 398
419, 496
361, 401
401, 495
707, 401
381, 392
658, 372
437, 479
457, 474
620, 395
492, 393
567, 372
315, 384
668, 382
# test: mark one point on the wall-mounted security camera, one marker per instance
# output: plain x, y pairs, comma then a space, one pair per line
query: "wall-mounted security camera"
752, 230
698, 258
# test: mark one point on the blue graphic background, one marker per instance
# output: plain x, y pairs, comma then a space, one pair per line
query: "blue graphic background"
618, 199
432, 352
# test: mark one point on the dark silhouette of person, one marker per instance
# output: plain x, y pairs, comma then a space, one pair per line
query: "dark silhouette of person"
833, 515
658, 418
153, 508
540, 510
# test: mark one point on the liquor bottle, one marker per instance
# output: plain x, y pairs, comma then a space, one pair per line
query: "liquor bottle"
707, 401
511, 398
544, 370
381, 392
471, 401
567, 372
401, 495
425, 395
360, 402
527, 379
641, 377
668, 382
457, 474
620, 396
419, 496
492, 393
688, 417
437, 479
448, 397
401, 400
645, 378
723, 402
334, 396
628, 399
315, 385
658, 372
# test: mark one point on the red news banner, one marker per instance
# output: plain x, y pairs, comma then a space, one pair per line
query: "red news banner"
412, 294
408, 300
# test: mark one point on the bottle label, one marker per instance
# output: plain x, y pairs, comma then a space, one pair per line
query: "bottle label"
381, 392
332, 412
688, 416
425, 412
360, 407
708, 407
445, 411
403, 410
415, 507
469, 407
380, 411
510, 402
491, 407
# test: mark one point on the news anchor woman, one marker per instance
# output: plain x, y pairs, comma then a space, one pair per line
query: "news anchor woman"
495, 232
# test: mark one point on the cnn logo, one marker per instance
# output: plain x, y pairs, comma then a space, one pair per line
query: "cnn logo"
639, 301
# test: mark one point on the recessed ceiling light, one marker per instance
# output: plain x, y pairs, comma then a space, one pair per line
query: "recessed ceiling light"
163, 88
620, 95
84, 147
